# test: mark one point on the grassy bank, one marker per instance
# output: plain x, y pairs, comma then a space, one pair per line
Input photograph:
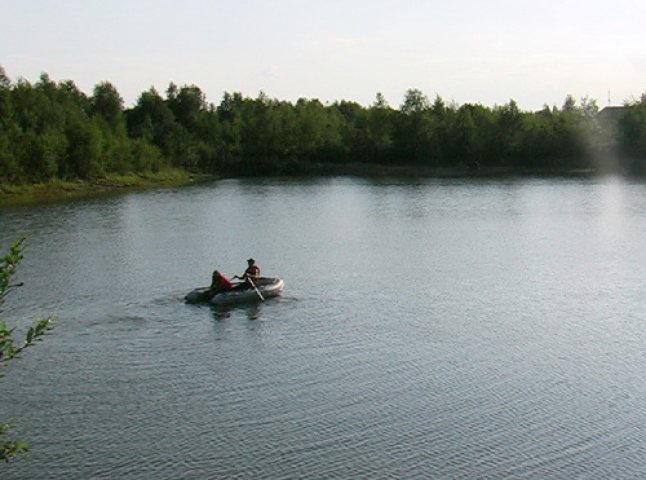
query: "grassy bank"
56, 189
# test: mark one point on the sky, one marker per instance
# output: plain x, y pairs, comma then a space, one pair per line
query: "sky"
486, 52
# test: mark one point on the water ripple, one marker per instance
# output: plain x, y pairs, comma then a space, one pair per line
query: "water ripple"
443, 330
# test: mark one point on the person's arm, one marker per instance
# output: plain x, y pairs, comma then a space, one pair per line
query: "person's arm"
246, 274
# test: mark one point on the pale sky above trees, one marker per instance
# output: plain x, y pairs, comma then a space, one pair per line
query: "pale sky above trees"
464, 50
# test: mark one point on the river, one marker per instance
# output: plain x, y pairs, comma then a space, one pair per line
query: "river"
428, 329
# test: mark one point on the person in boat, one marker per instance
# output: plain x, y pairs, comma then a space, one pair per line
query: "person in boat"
219, 283
251, 275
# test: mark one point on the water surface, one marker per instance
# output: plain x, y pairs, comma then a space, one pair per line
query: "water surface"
440, 329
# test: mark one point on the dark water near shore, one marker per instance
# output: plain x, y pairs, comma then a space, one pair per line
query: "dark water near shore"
442, 329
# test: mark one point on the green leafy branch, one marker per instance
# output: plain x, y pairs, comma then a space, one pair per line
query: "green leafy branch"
10, 449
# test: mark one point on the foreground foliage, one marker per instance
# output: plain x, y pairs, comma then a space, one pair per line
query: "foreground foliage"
9, 449
53, 130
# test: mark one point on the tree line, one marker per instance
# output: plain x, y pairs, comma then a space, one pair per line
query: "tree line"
51, 129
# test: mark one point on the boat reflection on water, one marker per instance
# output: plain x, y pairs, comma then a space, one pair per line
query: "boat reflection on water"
222, 312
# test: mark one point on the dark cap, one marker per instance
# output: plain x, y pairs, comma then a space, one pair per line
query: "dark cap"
251, 260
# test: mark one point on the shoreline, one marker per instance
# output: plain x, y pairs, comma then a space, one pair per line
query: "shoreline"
57, 190
412, 171
61, 190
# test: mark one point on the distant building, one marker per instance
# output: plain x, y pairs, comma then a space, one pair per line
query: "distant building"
609, 116
608, 119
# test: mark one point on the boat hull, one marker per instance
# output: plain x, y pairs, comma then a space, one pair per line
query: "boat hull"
268, 287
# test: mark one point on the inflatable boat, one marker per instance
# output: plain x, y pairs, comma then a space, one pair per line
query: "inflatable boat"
241, 293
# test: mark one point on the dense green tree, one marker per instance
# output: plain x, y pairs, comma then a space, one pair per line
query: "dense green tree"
354, 133
84, 150
380, 131
145, 158
10, 168
230, 116
107, 104
262, 133
150, 118
540, 143
5, 81
5, 99
414, 130
188, 105
415, 102
510, 133
70, 95
632, 134
318, 131
51, 129
9, 132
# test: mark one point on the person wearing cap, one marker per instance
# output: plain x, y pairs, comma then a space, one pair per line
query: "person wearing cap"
251, 274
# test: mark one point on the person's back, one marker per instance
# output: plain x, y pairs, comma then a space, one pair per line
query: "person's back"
220, 283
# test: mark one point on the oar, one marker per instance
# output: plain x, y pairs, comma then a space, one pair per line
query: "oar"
256, 289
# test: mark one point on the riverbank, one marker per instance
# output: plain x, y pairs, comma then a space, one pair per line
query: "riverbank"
56, 189
418, 171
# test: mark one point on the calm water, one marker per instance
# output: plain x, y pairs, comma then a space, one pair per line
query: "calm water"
445, 329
